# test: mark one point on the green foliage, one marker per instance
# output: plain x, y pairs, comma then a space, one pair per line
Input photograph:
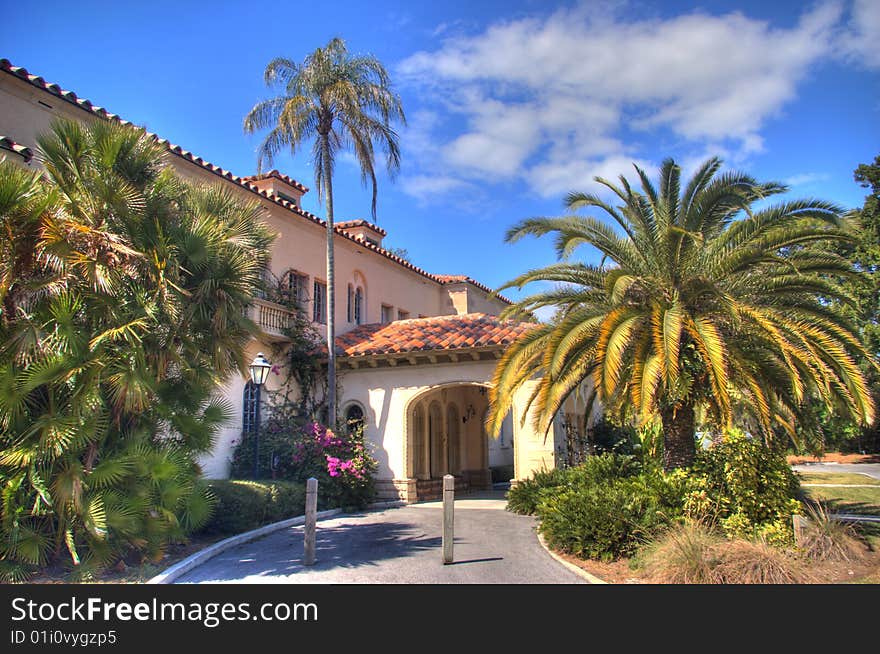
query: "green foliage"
125, 311
606, 435
524, 496
340, 460
606, 514
746, 488
245, 505
833, 429
602, 508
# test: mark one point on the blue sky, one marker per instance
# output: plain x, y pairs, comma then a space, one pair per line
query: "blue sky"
509, 104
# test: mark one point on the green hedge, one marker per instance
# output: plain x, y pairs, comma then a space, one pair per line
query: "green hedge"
523, 498
603, 508
245, 505
609, 518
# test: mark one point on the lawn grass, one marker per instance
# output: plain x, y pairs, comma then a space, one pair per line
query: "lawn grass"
862, 501
837, 478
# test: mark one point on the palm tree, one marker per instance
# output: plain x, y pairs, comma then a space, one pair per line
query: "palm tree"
342, 102
702, 303
125, 311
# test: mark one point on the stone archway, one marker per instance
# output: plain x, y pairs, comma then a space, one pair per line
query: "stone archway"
446, 435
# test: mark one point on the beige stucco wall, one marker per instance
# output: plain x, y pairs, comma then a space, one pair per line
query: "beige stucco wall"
386, 394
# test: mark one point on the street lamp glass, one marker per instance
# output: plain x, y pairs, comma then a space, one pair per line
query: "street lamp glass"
260, 369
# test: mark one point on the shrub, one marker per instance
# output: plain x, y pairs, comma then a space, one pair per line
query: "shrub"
523, 498
340, 460
685, 554
825, 538
245, 505
748, 489
607, 506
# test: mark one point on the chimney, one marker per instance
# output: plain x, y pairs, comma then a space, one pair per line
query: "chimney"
281, 186
363, 231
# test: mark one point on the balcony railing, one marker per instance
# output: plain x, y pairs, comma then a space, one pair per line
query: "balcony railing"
272, 318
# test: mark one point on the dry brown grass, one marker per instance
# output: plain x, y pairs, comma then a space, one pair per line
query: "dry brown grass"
827, 539
748, 562
684, 555
693, 554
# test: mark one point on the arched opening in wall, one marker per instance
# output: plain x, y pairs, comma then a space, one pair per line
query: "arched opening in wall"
436, 441
453, 440
418, 467
354, 417
446, 435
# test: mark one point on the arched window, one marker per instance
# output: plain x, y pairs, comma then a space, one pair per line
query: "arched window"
349, 311
359, 306
354, 417
250, 407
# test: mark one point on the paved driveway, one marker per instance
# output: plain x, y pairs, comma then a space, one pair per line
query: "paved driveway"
399, 545
870, 469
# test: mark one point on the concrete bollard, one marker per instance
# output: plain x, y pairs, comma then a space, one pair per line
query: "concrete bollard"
310, 528
799, 525
448, 517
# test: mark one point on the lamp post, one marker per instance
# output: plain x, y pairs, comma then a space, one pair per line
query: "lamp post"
259, 372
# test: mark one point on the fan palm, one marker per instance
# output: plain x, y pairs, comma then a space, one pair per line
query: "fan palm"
701, 303
127, 308
343, 102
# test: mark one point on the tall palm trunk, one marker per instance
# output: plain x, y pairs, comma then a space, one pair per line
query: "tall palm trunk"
679, 449
331, 286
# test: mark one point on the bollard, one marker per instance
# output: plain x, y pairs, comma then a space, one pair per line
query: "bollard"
310, 529
448, 516
799, 525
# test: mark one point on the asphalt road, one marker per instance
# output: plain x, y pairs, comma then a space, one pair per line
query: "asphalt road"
398, 545
870, 469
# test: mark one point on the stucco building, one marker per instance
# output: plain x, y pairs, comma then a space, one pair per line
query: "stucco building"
416, 349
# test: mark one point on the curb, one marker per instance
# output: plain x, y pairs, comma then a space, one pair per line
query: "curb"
593, 579
180, 568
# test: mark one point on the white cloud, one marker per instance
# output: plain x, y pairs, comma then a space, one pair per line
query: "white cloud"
424, 186
553, 101
860, 42
803, 179
554, 179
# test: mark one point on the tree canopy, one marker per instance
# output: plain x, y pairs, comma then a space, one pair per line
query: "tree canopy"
704, 309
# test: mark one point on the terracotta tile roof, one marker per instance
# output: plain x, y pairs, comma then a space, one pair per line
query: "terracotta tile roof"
284, 178
25, 152
86, 105
360, 222
472, 330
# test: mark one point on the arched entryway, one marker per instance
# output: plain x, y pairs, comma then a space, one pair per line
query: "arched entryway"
446, 435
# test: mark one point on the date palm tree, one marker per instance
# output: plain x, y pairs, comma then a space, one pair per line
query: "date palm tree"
339, 102
702, 302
